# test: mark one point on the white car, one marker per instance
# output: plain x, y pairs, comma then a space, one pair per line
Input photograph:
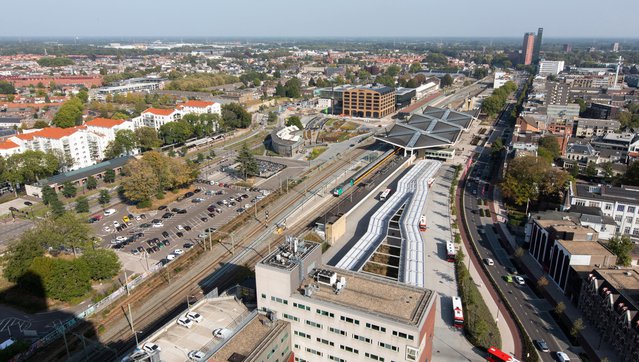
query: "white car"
222, 333
138, 217
178, 251
185, 322
489, 261
196, 356
109, 212
180, 227
171, 257
157, 225
150, 347
116, 224
196, 317
519, 280
120, 238
562, 357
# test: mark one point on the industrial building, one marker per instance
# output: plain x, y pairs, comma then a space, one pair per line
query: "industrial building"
287, 141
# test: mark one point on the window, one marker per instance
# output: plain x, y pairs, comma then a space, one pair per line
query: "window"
626, 230
388, 346
325, 341
302, 334
618, 218
324, 313
621, 207
375, 327
291, 317
338, 331
263, 296
628, 219
348, 349
301, 306
349, 320
631, 209
313, 324
315, 352
336, 359
297, 359
279, 300
361, 338
411, 353
403, 335
374, 357
635, 232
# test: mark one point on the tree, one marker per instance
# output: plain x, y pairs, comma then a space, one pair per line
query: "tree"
591, 170
293, 88
385, 80
124, 143
447, 81
577, 327
82, 205
30, 166
393, 70
621, 246
496, 148
92, 183
19, 255
109, 176
631, 176
68, 189
200, 157
528, 179
542, 282
48, 194
248, 164
40, 124
294, 121
104, 198
272, 117
582, 105
6, 88
415, 67
69, 114
235, 116
551, 145
176, 132
66, 279
491, 106
57, 207
560, 308
104, 264
147, 138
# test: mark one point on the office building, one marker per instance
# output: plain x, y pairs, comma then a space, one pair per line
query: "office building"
609, 301
340, 315
501, 78
615, 47
375, 101
528, 48
567, 48
537, 48
550, 67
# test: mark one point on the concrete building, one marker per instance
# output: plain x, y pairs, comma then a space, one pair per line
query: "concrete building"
550, 67
287, 141
592, 127
341, 315
615, 47
528, 48
156, 118
609, 300
626, 142
370, 102
500, 78
619, 203
147, 87
538, 43
632, 80
200, 107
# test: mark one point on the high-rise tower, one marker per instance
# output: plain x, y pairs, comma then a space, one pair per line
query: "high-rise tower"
540, 32
527, 48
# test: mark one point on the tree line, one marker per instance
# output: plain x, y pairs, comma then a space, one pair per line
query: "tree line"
494, 103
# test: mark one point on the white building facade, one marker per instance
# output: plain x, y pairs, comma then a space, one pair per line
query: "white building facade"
550, 67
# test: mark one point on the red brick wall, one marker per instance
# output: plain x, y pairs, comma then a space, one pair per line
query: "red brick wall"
428, 332
87, 81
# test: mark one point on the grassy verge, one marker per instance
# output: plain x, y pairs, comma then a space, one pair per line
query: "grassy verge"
316, 152
479, 325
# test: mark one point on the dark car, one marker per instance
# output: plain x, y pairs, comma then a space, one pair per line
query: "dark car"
210, 209
176, 209
187, 228
204, 218
166, 242
168, 215
164, 261
150, 242
511, 270
210, 230
145, 225
211, 214
179, 234
149, 250
156, 248
117, 246
141, 249
189, 194
187, 246
138, 235
542, 345
163, 207
165, 234
181, 211
197, 190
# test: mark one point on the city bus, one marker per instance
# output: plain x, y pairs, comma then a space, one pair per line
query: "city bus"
496, 355
384, 195
422, 223
458, 312
451, 251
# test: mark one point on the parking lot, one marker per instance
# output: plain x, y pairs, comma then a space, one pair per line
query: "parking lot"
159, 236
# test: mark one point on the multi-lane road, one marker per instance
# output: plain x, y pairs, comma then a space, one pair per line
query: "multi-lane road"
532, 311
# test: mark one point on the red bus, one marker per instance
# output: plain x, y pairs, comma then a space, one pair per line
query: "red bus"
496, 355
422, 223
458, 311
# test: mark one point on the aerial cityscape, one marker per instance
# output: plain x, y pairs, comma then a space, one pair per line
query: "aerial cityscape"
292, 182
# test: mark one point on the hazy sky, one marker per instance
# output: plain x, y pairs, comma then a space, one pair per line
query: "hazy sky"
303, 18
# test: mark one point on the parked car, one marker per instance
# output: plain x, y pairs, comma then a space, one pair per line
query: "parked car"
168, 215
163, 207
197, 200
187, 245
187, 228
196, 356
135, 252
116, 224
195, 317
150, 347
157, 224
222, 333
519, 280
181, 211
489, 261
180, 227
141, 249
189, 194
125, 219
171, 257
210, 230
185, 322
165, 234
109, 212
178, 251
179, 234
175, 209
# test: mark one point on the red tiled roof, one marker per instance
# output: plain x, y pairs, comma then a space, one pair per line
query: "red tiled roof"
26, 136
6, 145
104, 122
56, 133
197, 104
159, 111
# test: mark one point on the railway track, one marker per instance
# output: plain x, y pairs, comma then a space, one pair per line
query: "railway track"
219, 272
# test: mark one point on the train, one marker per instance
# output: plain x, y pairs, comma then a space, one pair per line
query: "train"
364, 172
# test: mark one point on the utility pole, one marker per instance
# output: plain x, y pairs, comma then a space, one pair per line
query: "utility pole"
137, 343
64, 336
126, 283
